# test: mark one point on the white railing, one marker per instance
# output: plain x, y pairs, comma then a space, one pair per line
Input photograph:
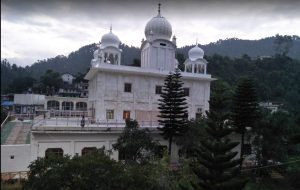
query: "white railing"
88, 122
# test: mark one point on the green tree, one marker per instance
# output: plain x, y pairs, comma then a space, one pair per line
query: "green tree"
283, 44
92, 171
136, 63
21, 84
135, 143
215, 165
180, 58
47, 173
244, 109
190, 140
271, 137
172, 108
50, 80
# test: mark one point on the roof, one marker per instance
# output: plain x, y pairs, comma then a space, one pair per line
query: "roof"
7, 103
142, 71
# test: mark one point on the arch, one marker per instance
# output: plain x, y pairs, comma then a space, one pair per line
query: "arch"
53, 105
54, 152
111, 58
88, 150
81, 106
67, 106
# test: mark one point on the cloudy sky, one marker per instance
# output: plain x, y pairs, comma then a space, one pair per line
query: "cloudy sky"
32, 30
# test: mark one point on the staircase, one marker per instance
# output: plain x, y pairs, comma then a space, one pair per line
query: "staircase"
19, 133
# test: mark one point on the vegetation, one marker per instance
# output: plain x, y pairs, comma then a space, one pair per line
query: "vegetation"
172, 108
215, 165
244, 109
135, 144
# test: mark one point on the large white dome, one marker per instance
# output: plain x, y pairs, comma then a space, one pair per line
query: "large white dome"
110, 39
158, 27
196, 53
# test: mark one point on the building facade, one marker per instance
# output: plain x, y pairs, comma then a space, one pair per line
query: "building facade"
118, 92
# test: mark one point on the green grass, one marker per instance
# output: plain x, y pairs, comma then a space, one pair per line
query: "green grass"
5, 131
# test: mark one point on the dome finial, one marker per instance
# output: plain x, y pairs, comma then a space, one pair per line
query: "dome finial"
159, 4
110, 28
196, 41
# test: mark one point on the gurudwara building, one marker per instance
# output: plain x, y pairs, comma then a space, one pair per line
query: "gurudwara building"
115, 93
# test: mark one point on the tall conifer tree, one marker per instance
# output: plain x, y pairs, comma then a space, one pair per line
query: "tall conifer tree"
215, 165
244, 109
173, 108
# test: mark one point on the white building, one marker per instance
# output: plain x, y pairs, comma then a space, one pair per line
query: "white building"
117, 92
67, 78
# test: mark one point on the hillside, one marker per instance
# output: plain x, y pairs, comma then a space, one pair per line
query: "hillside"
79, 61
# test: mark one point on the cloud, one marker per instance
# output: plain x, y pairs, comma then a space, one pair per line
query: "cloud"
34, 29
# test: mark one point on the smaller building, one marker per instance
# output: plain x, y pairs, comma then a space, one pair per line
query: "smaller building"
270, 106
28, 103
73, 87
67, 78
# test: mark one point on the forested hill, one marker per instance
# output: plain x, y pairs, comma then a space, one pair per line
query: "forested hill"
79, 61
235, 48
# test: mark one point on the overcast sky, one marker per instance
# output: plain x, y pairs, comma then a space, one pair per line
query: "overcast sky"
36, 29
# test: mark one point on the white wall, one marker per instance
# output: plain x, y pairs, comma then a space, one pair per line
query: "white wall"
106, 91
29, 99
21, 160
67, 78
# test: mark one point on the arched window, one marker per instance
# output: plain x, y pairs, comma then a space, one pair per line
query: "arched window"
52, 105
81, 106
116, 59
88, 150
188, 68
67, 105
54, 152
111, 58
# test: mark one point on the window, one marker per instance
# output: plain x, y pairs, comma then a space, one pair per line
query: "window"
81, 106
54, 152
126, 115
247, 149
12, 157
127, 87
158, 89
88, 150
109, 114
53, 105
162, 44
186, 91
67, 105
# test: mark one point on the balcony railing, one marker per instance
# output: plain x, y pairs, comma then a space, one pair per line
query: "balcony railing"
88, 122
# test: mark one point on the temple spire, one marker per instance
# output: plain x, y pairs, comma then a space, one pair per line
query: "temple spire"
110, 28
158, 9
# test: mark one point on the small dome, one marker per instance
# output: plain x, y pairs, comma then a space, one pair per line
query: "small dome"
110, 39
196, 53
96, 52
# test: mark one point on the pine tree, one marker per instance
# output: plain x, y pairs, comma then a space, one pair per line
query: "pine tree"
245, 109
215, 165
173, 108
